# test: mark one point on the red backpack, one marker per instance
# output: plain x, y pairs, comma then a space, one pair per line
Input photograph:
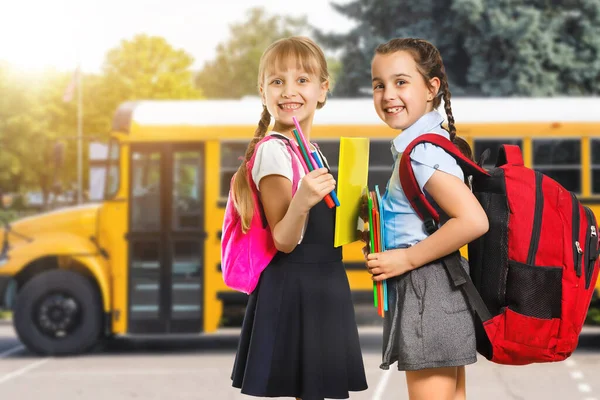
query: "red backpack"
533, 273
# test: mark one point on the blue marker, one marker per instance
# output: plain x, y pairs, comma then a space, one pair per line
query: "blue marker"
385, 297
320, 164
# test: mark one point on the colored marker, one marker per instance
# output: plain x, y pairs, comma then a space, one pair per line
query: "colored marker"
320, 164
332, 195
311, 166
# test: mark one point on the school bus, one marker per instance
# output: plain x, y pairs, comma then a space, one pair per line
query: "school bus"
145, 260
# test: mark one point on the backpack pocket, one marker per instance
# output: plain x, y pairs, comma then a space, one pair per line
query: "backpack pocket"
534, 291
534, 333
577, 251
591, 246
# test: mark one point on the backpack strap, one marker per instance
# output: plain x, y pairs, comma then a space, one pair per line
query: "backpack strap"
461, 279
430, 217
411, 189
290, 148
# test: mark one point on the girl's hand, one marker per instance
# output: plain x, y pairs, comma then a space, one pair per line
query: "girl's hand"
314, 187
388, 264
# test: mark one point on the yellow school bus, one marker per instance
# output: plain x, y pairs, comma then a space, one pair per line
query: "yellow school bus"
146, 260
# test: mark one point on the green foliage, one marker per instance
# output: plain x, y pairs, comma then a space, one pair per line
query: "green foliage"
335, 69
233, 73
490, 48
145, 67
34, 117
593, 315
24, 132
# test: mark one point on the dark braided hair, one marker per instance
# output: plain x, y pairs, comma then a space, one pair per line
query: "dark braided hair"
430, 65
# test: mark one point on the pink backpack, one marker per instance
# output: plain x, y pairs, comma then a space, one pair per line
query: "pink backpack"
245, 256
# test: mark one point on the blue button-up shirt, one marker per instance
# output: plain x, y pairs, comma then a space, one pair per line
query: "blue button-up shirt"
402, 225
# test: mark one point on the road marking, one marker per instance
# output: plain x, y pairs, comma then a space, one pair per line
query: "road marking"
584, 388
576, 375
23, 370
380, 390
11, 351
114, 372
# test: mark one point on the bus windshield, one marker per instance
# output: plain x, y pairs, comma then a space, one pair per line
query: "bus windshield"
112, 169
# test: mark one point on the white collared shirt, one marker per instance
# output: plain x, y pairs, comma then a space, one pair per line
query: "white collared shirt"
401, 223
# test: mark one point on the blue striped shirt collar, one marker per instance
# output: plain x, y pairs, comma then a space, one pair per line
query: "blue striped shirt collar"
428, 123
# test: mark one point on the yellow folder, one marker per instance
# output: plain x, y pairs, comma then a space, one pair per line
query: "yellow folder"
353, 172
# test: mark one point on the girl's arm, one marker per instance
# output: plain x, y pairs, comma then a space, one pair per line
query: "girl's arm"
467, 221
286, 214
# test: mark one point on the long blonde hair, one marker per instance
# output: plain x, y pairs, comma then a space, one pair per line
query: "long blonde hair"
309, 57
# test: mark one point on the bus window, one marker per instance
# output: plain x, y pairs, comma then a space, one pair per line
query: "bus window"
230, 154
595, 148
112, 181
187, 204
494, 146
380, 160
560, 159
331, 151
381, 163
145, 201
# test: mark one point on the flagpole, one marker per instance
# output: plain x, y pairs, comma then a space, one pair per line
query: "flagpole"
79, 135
77, 35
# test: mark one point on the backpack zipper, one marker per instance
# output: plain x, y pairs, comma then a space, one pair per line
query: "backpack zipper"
576, 245
591, 249
537, 218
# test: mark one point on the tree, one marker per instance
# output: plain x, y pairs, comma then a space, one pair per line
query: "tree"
34, 117
13, 102
233, 73
532, 47
377, 22
24, 134
500, 48
146, 67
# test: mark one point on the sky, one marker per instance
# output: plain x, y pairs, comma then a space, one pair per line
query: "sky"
40, 34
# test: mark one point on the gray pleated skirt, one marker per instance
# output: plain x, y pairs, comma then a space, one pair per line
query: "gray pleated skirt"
429, 323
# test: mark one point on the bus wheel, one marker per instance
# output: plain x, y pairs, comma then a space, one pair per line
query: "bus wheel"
58, 313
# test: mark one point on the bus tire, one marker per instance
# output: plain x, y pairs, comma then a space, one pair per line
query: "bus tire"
58, 312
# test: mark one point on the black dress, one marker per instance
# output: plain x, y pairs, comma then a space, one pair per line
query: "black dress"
299, 337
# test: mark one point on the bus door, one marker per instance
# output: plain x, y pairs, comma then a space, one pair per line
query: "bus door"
166, 238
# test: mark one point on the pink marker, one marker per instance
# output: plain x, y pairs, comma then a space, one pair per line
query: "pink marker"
305, 144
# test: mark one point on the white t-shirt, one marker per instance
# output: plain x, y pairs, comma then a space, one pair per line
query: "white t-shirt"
273, 158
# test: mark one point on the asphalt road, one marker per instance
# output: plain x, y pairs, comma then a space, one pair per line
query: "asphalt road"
199, 369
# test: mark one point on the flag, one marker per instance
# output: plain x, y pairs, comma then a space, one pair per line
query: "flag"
70, 89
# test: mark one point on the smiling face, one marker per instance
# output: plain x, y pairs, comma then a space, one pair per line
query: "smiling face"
400, 93
292, 91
